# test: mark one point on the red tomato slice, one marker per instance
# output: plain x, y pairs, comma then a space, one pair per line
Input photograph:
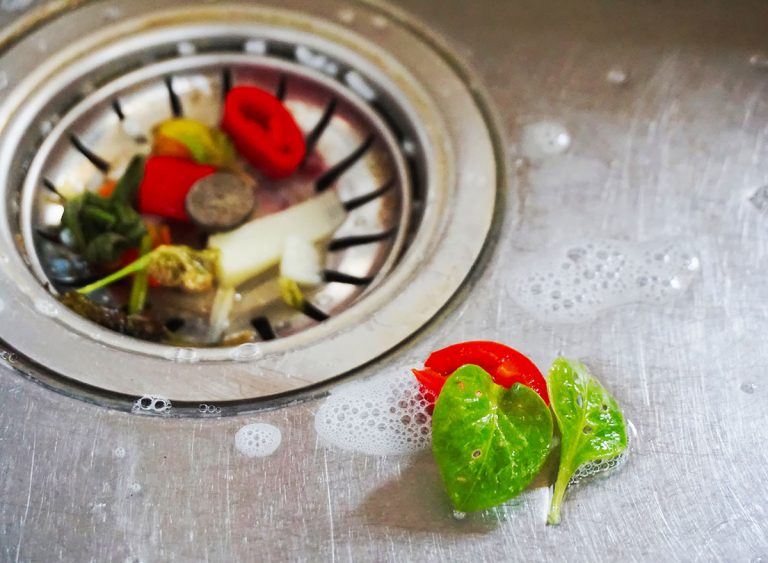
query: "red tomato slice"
506, 366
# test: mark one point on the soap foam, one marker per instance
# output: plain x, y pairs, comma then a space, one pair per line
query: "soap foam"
258, 439
152, 404
384, 415
576, 282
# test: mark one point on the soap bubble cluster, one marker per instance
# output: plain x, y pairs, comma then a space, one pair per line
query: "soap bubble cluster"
384, 415
258, 439
576, 282
202, 408
602, 467
151, 404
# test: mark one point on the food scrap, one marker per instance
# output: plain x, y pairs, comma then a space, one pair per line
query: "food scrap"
493, 427
186, 217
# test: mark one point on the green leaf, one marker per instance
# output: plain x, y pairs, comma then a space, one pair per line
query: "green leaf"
489, 442
106, 247
592, 427
128, 185
71, 220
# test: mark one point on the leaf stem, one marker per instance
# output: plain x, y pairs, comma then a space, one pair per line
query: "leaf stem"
561, 484
132, 268
140, 285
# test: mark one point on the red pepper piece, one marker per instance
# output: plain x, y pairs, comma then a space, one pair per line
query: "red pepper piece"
264, 132
167, 181
506, 366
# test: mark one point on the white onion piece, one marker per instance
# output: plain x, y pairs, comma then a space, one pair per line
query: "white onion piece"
251, 249
301, 262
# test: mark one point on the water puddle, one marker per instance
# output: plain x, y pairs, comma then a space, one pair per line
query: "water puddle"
578, 281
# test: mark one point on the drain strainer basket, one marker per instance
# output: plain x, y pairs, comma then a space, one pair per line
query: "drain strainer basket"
393, 126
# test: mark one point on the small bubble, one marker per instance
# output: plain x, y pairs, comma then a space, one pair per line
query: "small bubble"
112, 13
246, 352
617, 76
379, 22
545, 138
3, 80
555, 294
748, 388
759, 60
459, 515
346, 15
42, 45
536, 289
119, 452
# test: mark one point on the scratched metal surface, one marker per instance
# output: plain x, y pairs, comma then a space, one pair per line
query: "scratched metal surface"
674, 152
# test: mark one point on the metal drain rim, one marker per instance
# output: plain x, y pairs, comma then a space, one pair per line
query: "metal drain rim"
395, 319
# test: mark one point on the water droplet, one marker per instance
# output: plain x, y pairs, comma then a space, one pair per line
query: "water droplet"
748, 387
3, 80
459, 515
46, 307
617, 76
134, 487
409, 147
186, 48
183, 355
759, 60
119, 452
46, 127
379, 22
246, 352
545, 138
760, 199
346, 15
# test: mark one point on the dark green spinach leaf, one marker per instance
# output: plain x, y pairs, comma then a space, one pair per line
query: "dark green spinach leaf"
489, 442
105, 227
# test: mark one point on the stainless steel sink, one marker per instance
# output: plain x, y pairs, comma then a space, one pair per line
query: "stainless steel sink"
641, 123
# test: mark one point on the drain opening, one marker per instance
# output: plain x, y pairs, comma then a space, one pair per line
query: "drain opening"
350, 148
391, 125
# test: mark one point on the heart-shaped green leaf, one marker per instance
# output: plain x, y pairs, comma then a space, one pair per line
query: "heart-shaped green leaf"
591, 424
489, 442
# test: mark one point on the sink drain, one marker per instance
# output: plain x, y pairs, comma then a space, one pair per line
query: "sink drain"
392, 127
